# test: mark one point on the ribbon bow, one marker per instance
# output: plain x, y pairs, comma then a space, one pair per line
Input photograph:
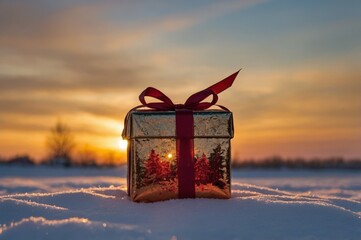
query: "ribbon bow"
194, 102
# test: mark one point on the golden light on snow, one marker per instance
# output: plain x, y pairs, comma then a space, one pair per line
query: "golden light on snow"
122, 144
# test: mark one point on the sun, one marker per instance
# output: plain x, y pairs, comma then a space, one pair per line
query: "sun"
122, 144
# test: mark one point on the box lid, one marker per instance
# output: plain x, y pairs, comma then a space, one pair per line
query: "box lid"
161, 124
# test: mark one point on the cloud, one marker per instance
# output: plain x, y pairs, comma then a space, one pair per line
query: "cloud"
57, 106
88, 50
75, 72
61, 49
319, 93
186, 19
40, 27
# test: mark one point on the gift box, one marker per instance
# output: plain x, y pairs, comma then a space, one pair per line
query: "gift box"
179, 150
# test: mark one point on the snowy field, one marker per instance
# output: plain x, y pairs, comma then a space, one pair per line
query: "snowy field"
56, 203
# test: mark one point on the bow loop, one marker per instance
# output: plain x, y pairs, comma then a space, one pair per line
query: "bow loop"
165, 104
195, 101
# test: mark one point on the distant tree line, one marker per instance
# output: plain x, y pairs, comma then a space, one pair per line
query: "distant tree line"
265, 163
23, 160
62, 151
277, 162
26, 160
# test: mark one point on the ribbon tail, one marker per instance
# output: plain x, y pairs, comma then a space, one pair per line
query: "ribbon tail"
224, 84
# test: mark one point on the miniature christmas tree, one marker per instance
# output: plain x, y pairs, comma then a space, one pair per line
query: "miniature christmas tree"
165, 173
152, 168
156, 170
202, 170
218, 167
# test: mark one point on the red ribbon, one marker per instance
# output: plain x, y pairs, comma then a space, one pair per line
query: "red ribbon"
194, 102
184, 126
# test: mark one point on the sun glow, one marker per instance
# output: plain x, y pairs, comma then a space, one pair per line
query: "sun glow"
123, 144
169, 155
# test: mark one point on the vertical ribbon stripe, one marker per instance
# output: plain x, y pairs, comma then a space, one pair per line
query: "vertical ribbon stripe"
185, 153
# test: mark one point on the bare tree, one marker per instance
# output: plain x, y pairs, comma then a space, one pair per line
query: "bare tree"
60, 143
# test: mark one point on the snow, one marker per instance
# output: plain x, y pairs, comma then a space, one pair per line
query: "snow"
57, 203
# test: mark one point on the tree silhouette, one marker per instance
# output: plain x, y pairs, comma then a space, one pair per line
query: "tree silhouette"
60, 143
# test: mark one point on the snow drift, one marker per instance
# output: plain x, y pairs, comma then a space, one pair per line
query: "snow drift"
46, 203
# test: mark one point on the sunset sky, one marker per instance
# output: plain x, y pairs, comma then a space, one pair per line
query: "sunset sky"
86, 62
